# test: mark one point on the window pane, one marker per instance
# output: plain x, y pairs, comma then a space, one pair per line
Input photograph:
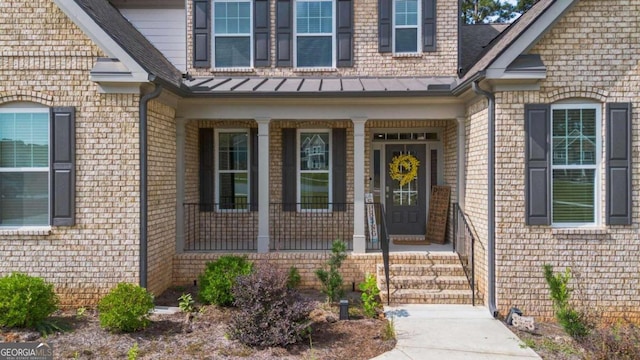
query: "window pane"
406, 40
232, 153
314, 51
234, 191
314, 151
314, 190
232, 52
232, 17
406, 12
314, 17
24, 198
573, 196
574, 137
24, 140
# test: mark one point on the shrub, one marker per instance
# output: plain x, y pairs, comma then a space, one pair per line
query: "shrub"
294, 279
332, 280
126, 308
270, 313
219, 277
572, 321
25, 301
370, 299
620, 341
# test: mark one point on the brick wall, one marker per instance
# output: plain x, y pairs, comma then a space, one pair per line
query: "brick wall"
592, 53
46, 59
367, 60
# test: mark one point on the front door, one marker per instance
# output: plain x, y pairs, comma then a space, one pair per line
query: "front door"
405, 189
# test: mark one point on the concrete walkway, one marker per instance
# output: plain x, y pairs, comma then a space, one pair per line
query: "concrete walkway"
451, 332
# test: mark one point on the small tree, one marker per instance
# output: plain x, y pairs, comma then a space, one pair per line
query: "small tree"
571, 320
332, 280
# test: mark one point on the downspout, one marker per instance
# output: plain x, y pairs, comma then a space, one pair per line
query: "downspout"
491, 226
144, 102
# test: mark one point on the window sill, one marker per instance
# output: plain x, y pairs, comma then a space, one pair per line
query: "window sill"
233, 70
593, 230
315, 69
26, 230
407, 55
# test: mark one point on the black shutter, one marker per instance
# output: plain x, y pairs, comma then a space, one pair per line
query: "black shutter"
344, 33
428, 25
289, 169
384, 26
253, 176
284, 33
537, 157
63, 172
261, 33
618, 164
201, 33
339, 168
207, 173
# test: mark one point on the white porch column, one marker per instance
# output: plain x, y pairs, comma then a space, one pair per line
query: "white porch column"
263, 184
461, 158
359, 238
180, 143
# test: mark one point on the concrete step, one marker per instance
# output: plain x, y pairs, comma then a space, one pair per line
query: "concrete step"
430, 282
422, 296
422, 270
425, 259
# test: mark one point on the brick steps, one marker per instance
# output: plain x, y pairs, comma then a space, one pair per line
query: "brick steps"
439, 279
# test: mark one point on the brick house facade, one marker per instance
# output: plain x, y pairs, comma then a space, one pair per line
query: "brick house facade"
221, 166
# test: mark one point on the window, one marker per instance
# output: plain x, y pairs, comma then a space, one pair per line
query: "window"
24, 167
232, 168
314, 164
406, 26
574, 172
315, 36
232, 29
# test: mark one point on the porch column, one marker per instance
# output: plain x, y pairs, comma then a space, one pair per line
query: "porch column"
359, 238
263, 184
180, 141
461, 158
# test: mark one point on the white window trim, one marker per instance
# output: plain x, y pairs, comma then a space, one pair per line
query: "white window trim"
418, 28
329, 171
597, 203
28, 108
332, 34
216, 157
214, 35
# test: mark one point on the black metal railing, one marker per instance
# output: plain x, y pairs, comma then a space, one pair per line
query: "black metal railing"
310, 225
384, 245
223, 226
464, 245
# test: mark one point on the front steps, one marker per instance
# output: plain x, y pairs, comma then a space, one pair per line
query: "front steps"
439, 279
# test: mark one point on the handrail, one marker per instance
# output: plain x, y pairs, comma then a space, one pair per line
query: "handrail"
468, 266
384, 244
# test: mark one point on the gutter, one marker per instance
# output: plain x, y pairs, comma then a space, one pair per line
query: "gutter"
491, 241
144, 102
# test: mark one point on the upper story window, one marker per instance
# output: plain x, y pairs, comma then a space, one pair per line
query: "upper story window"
24, 167
314, 33
232, 34
575, 167
406, 26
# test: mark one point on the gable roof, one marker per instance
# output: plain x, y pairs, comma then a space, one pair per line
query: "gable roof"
131, 40
474, 39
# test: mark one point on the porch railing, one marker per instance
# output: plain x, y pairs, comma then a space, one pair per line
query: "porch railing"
464, 245
220, 227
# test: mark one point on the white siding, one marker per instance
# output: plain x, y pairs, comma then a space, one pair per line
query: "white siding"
165, 28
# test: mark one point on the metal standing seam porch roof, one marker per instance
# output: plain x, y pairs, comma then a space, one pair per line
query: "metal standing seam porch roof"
336, 86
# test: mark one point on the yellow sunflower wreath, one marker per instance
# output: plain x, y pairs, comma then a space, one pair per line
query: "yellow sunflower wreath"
404, 168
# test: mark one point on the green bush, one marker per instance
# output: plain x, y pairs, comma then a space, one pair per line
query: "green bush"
219, 277
332, 280
294, 279
126, 308
572, 321
270, 313
25, 301
370, 299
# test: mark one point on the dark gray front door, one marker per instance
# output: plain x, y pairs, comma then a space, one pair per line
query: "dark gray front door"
406, 204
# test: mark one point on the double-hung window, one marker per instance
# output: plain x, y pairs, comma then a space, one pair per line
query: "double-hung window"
24, 167
406, 26
314, 33
232, 33
575, 164
314, 164
232, 191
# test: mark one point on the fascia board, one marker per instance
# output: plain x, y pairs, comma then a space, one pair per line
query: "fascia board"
531, 35
102, 39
